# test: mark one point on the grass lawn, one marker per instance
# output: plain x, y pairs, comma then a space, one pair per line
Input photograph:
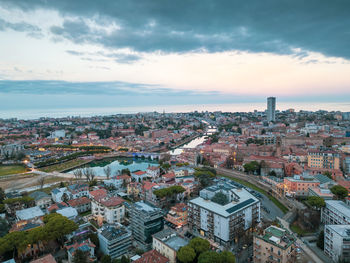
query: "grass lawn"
86, 213
12, 169
273, 199
62, 166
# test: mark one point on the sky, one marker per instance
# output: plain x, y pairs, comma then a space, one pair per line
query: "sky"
88, 53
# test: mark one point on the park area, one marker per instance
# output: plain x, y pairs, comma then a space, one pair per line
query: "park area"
12, 169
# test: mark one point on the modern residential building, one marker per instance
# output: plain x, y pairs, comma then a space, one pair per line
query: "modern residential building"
323, 159
108, 209
335, 212
223, 212
271, 108
146, 220
337, 242
299, 185
115, 240
274, 244
167, 242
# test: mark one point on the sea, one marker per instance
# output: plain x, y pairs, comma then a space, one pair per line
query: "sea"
234, 107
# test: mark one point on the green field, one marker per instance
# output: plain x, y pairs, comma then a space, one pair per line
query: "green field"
283, 208
62, 166
12, 169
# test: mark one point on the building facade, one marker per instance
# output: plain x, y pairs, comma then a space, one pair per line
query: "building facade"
323, 159
337, 242
335, 213
274, 245
167, 242
145, 220
108, 209
271, 108
115, 240
223, 223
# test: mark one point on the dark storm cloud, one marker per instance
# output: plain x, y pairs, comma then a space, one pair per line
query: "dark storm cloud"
90, 88
276, 26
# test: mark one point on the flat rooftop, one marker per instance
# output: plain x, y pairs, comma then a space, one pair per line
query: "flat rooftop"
245, 199
340, 206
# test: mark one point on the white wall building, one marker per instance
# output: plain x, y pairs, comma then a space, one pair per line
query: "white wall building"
223, 223
109, 209
335, 213
337, 242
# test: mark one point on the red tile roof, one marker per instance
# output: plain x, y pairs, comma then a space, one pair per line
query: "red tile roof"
97, 194
139, 173
111, 201
152, 256
45, 259
79, 201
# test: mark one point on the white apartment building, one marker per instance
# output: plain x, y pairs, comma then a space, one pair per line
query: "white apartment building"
153, 171
109, 209
335, 212
223, 223
337, 242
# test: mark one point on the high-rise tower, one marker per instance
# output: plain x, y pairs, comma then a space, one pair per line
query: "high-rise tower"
271, 107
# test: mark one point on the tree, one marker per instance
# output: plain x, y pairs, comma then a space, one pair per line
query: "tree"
106, 259
340, 191
220, 198
320, 240
4, 227
2, 195
328, 174
94, 239
316, 201
107, 170
41, 181
186, 254
124, 259
209, 257
78, 174
80, 257
227, 257
199, 245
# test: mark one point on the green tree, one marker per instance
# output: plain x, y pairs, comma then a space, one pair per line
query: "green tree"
339, 191
4, 227
227, 257
186, 254
199, 245
80, 257
106, 259
209, 257
220, 198
316, 201
124, 259
2, 195
328, 174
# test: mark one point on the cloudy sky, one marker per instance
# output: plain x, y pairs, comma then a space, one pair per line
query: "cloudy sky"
103, 53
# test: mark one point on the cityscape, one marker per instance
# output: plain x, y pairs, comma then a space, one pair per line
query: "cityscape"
174, 131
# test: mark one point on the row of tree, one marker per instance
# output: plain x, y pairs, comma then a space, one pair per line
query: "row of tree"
171, 191
55, 228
